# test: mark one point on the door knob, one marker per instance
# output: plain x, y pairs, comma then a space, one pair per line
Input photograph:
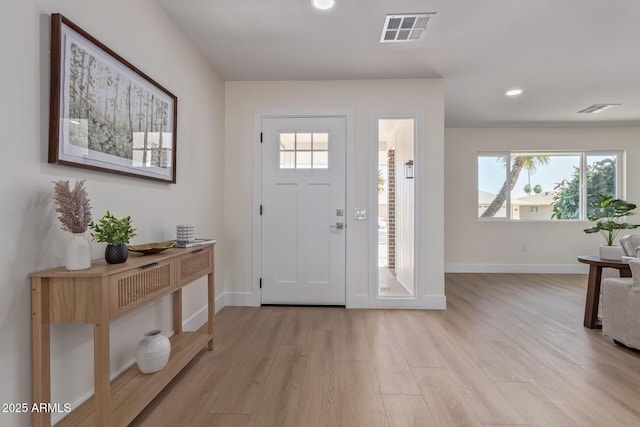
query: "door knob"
338, 226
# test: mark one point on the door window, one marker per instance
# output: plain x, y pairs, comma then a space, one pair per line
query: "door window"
304, 150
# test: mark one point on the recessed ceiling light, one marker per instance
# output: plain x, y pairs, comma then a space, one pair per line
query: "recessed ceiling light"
323, 4
597, 108
513, 92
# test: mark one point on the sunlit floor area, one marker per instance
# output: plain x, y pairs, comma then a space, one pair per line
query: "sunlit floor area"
389, 285
509, 350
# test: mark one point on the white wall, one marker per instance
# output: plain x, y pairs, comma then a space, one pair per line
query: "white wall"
31, 238
363, 97
473, 245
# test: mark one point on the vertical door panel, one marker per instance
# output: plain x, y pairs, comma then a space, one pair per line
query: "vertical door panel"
318, 244
285, 233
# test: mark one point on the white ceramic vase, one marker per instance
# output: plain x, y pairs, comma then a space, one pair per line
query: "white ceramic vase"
152, 353
78, 253
611, 253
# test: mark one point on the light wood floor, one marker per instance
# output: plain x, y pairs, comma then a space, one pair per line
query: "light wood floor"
509, 350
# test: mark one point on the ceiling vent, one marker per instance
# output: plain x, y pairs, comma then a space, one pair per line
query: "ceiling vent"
597, 108
405, 28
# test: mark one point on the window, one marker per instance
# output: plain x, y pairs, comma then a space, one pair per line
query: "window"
304, 150
545, 185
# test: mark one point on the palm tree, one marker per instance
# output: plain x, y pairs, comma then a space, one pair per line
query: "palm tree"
529, 163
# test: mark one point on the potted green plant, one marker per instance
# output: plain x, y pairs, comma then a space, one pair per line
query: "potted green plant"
116, 233
608, 214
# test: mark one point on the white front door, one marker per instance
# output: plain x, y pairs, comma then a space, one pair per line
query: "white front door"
303, 210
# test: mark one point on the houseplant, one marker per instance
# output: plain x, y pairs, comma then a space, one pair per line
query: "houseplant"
608, 214
116, 233
75, 215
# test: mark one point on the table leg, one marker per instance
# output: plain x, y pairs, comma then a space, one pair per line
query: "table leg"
101, 357
593, 298
211, 311
177, 312
41, 341
102, 373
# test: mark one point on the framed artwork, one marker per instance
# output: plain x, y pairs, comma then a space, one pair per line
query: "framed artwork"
105, 114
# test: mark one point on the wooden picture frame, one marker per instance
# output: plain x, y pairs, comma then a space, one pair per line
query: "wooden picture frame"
105, 114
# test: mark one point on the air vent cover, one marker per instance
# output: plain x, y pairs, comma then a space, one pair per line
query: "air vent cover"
405, 28
597, 108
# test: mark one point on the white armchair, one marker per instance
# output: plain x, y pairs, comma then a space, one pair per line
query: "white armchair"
630, 245
621, 307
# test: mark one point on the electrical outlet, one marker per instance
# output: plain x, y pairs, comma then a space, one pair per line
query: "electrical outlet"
525, 247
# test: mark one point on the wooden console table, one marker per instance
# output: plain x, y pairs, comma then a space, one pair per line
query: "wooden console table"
593, 286
100, 295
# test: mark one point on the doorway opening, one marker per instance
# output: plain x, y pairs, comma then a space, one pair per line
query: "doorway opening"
396, 207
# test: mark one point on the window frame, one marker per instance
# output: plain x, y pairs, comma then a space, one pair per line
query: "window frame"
583, 154
311, 151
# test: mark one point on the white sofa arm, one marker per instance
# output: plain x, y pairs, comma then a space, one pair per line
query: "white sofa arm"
615, 295
621, 307
634, 264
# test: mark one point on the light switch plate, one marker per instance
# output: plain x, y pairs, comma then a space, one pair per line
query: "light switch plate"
361, 213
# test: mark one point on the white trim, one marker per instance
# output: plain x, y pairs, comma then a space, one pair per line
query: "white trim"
256, 251
194, 322
241, 299
350, 176
435, 302
220, 302
358, 301
253, 298
424, 302
517, 268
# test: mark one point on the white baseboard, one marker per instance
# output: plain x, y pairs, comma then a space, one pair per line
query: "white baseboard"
426, 302
359, 301
517, 268
242, 299
194, 322
221, 302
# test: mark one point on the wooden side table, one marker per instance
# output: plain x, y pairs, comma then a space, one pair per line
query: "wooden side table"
102, 294
593, 286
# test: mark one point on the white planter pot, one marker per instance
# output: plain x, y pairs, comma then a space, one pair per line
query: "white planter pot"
611, 253
78, 253
152, 353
